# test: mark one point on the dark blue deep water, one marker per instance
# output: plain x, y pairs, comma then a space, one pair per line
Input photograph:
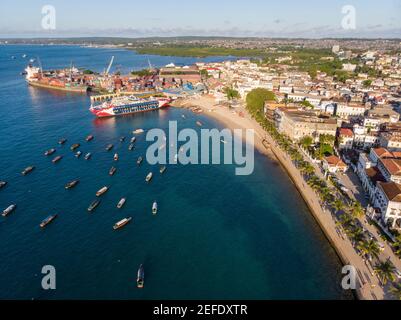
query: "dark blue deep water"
216, 236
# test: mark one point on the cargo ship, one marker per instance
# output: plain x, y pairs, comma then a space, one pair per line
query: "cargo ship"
127, 105
37, 78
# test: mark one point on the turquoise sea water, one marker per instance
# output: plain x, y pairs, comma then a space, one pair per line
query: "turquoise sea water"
216, 236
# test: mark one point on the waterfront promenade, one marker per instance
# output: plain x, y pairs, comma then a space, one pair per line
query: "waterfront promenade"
368, 286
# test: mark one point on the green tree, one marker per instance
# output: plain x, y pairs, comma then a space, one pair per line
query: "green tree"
367, 83
306, 142
385, 271
370, 248
255, 100
396, 290
357, 210
231, 93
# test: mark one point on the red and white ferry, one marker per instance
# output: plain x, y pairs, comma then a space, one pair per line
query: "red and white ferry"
126, 105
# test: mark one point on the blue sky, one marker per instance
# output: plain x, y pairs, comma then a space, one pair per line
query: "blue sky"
283, 18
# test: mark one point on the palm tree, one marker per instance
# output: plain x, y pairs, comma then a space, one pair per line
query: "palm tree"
357, 235
396, 290
397, 246
385, 271
357, 210
369, 248
338, 205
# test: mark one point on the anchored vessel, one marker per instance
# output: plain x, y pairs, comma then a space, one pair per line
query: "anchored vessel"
49, 219
138, 131
89, 138
78, 154
75, 146
3, 184
126, 105
57, 159
112, 171
140, 280
122, 223
116, 157
163, 169
71, 184
50, 152
93, 205
149, 177
102, 191
62, 141
154, 208
28, 170
139, 161
131, 147
121, 203
8, 210
88, 156
109, 147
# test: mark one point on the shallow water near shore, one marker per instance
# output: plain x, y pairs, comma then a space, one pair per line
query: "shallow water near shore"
216, 235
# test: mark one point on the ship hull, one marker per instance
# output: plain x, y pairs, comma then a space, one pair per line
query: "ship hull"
109, 112
65, 89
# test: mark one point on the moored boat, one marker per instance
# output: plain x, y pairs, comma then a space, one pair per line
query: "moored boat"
101, 191
140, 280
109, 147
88, 156
93, 205
8, 210
62, 141
71, 184
122, 223
154, 208
149, 177
133, 139
115, 157
89, 138
131, 147
163, 169
50, 152
139, 161
112, 171
122, 139
138, 131
49, 219
78, 154
27, 170
75, 146
199, 123
3, 184
57, 159
121, 203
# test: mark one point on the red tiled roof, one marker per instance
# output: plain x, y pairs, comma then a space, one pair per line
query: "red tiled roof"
392, 190
335, 161
346, 132
393, 166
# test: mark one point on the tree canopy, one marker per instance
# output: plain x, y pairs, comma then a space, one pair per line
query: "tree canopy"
256, 99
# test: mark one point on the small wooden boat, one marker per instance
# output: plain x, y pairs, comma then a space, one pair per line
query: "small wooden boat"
149, 177
140, 280
50, 152
122, 223
102, 191
154, 208
49, 219
27, 170
121, 203
89, 138
8, 210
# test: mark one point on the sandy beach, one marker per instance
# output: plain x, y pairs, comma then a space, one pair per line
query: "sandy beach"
368, 287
